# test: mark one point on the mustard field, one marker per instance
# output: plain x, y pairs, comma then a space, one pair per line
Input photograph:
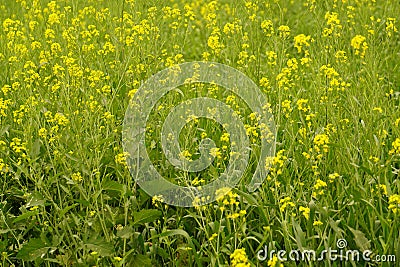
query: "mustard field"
330, 75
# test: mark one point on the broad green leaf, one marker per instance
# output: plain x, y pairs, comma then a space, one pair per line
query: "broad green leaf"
34, 151
110, 185
176, 232
34, 249
361, 241
335, 227
83, 202
99, 245
126, 232
140, 261
299, 235
146, 216
25, 215
35, 199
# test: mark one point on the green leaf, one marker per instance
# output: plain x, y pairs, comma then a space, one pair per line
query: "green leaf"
184, 234
146, 216
83, 202
66, 209
35, 199
176, 232
34, 249
110, 185
253, 201
126, 232
99, 245
361, 241
143, 197
140, 261
335, 227
25, 215
299, 234
4, 130
34, 151
4, 231
3, 245
249, 198
366, 170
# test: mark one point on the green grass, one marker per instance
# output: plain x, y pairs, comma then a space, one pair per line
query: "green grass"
69, 69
